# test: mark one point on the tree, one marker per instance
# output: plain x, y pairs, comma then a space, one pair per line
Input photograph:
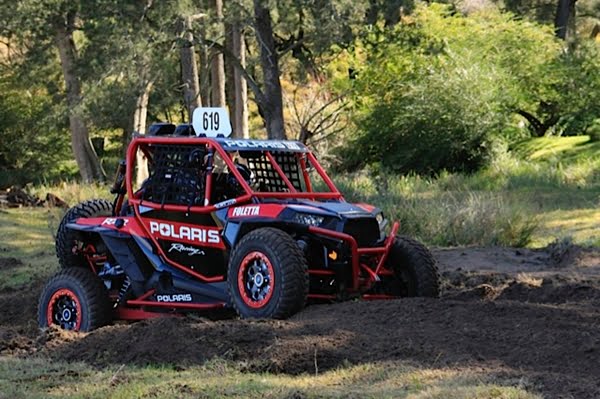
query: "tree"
189, 67
85, 155
564, 22
436, 93
217, 63
272, 106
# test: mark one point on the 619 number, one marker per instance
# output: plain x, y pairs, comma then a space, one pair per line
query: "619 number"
210, 121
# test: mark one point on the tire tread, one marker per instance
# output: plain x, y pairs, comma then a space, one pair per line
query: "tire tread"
66, 236
98, 309
293, 266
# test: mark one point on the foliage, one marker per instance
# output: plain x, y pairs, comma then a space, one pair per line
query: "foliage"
33, 140
434, 93
442, 89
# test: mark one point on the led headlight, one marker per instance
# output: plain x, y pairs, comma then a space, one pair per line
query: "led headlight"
308, 219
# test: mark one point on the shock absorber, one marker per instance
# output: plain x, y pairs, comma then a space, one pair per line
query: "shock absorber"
123, 290
118, 187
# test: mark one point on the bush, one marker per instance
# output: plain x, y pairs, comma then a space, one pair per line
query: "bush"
32, 148
436, 92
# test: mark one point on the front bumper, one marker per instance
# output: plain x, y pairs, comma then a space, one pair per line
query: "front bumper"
381, 253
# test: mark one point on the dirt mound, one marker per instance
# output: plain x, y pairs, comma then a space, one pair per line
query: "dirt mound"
556, 347
552, 292
514, 321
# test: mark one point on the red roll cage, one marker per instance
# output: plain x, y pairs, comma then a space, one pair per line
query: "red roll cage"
214, 146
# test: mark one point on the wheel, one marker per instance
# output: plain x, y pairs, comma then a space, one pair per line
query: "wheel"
267, 275
415, 270
74, 299
67, 239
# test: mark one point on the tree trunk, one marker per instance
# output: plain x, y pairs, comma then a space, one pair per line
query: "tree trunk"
229, 76
205, 69
189, 70
537, 127
564, 23
89, 165
372, 13
217, 65
239, 83
392, 12
269, 61
140, 115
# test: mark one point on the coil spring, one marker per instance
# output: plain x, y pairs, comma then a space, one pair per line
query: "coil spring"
124, 288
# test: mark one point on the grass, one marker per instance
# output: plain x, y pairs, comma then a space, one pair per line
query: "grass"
72, 192
39, 378
543, 190
27, 235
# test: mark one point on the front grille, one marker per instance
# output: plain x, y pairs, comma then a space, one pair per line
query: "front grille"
364, 230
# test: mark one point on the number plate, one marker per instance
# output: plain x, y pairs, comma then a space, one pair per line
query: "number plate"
211, 121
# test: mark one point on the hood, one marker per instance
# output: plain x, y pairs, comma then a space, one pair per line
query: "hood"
343, 209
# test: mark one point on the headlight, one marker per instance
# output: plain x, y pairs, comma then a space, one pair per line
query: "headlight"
308, 219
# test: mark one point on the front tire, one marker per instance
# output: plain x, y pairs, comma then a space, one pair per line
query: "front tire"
415, 269
74, 299
267, 275
67, 239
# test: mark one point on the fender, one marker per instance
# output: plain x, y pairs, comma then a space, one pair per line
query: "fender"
124, 225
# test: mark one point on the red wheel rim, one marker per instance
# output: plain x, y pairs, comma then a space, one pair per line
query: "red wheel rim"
64, 309
256, 279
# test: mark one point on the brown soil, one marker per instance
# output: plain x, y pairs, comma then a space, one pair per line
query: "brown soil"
515, 314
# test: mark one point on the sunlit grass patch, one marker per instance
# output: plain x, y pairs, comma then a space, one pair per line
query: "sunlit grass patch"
41, 378
26, 234
582, 225
544, 147
72, 192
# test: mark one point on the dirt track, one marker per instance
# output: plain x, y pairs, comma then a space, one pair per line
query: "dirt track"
521, 315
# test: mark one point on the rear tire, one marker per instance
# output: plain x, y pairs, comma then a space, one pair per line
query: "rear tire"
414, 267
267, 276
66, 238
74, 299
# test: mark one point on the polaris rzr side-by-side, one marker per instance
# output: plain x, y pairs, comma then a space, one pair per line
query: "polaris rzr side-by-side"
255, 225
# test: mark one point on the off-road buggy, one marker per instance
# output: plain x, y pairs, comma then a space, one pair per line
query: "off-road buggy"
256, 225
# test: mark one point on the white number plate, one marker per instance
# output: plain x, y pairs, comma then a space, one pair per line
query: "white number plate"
211, 121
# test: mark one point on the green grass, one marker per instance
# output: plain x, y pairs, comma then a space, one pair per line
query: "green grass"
39, 378
72, 192
544, 189
27, 234
543, 148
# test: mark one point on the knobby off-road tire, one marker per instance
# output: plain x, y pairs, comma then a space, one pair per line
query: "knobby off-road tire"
415, 268
66, 238
74, 299
268, 275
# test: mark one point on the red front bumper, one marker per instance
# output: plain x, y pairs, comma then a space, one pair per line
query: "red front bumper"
356, 252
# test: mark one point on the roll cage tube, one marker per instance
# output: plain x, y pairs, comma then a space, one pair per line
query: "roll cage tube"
213, 145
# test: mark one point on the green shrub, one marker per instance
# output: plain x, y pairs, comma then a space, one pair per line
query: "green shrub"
438, 91
32, 148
